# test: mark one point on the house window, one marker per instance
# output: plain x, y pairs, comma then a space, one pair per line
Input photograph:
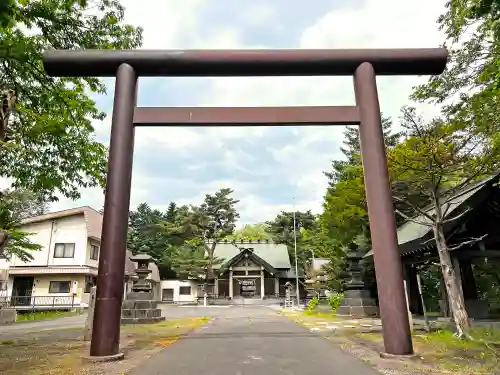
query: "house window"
185, 290
64, 250
59, 286
90, 281
94, 252
3, 286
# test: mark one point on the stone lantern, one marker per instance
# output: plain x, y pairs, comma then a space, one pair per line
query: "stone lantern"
355, 270
140, 306
142, 271
357, 300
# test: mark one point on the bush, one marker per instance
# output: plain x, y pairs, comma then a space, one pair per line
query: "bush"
334, 299
311, 305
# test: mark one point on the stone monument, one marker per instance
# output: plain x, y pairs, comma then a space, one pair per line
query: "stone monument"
139, 306
357, 300
288, 294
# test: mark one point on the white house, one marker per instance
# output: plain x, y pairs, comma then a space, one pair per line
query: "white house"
65, 269
178, 291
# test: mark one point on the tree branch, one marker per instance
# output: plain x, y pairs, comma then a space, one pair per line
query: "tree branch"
447, 206
429, 240
408, 218
469, 242
414, 207
467, 210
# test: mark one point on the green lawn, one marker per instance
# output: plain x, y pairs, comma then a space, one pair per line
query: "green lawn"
441, 350
42, 315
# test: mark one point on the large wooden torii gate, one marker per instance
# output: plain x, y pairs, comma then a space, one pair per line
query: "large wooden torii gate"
364, 65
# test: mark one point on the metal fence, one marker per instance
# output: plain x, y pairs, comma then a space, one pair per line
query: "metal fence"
23, 302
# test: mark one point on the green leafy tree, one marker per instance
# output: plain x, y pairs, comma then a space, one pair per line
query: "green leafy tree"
189, 261
200, 227
215, 219
344, 219
147, 234
252, 232
438, 159
324, 246
46, 134
47, 145
171, 213
26, 204
345, 213
144, 234
7, 9
14, 206
468, 89
282, 232
351, 150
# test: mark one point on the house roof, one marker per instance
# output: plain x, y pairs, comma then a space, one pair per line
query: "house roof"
93, 219
276, 255
413, 236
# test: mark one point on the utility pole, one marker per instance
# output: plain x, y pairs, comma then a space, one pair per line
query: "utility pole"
296, 260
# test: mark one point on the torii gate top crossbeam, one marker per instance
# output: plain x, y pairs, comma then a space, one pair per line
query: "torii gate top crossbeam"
232, 63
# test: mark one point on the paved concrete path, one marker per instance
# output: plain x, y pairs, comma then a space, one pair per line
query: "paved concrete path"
18, 330
252, 340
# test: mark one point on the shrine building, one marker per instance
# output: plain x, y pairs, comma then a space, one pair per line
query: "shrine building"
253, 269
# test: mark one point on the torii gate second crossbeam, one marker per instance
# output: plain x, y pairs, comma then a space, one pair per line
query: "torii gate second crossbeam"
364, 65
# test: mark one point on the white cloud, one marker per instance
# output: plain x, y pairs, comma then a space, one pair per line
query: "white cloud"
377, 24
166, 23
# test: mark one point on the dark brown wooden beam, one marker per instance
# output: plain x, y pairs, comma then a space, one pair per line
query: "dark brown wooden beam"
241, 63
476, 253
245, 116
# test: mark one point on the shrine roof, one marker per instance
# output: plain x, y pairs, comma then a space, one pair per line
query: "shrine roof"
413, 236
276, 255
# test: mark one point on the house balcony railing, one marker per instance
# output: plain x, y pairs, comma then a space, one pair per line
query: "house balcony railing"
37, 302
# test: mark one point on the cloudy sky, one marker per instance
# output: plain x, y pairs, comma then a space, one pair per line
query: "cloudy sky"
267, 167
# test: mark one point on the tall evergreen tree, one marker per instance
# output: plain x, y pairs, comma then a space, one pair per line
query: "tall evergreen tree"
171, 212
351, 149
282, 232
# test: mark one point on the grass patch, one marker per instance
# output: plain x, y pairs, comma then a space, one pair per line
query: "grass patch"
441, 350
43, 315
61, 352
321, 315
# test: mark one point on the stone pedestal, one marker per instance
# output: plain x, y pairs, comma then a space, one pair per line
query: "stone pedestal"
358, 304
139, 306
357, 301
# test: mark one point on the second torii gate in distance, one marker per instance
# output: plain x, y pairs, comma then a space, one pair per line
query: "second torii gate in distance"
364, 65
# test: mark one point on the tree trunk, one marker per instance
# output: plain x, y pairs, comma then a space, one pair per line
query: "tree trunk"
4, 240
457, 304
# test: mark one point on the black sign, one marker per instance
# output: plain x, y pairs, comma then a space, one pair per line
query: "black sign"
247, 287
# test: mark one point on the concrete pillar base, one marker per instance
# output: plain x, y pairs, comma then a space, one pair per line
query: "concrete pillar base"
397, 356
106, 358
